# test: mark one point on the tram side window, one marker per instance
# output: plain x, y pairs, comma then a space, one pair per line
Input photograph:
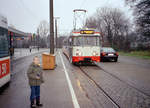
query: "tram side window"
4, 51
70, 41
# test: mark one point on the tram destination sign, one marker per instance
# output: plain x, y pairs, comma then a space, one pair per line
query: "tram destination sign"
87, 32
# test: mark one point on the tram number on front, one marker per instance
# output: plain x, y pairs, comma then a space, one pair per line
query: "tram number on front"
87, 31
3, 69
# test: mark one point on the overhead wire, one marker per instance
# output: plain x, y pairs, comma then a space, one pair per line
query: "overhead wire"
27, 9
82, 4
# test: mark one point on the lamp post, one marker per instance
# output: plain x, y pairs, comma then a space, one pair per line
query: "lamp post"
56, 30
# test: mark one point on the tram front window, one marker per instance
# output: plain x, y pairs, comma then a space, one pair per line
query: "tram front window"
86, 41
3, 42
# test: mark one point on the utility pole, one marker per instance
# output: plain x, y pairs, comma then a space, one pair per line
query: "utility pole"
38, 38
51, 27
56, 31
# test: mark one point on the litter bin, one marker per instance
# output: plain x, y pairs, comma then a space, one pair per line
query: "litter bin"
48, 61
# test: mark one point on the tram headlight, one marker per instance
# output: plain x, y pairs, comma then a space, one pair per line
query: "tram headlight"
78, 53
95, 54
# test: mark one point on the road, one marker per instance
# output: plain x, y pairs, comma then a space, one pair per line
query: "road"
124, 84
114, 79
134, 71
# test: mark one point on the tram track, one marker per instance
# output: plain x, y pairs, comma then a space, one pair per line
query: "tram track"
116, 97
100, 88
122, 80
114, 90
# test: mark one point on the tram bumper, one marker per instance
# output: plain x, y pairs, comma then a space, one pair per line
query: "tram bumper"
86, 59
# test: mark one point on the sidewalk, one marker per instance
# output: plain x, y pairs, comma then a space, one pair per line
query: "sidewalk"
55, 92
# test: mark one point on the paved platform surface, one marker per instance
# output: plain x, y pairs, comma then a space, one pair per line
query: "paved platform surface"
69, 87
54, 92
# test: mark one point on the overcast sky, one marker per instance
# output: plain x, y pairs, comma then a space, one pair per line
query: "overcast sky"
26, 15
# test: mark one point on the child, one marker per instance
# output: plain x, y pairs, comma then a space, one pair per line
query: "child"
35, 76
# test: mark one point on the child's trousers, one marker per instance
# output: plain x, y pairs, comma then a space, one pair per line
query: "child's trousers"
35, 92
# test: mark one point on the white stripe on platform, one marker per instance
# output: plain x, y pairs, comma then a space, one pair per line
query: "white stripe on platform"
74, 98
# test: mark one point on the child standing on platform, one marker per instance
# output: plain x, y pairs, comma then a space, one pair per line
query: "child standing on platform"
35, 76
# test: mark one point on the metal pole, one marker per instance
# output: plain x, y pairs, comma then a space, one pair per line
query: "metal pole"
56, 31
38, 37
51, 27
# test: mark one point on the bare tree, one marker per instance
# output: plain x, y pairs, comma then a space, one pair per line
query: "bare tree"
43, 28
142, 15
113, 24
43, 31
91, 22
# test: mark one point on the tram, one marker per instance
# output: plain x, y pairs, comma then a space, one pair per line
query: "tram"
83, 45
4, 52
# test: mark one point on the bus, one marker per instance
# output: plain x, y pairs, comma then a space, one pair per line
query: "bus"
83, 45
4, 52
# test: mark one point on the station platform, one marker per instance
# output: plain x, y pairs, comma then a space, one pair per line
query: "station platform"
104, 85
56, 91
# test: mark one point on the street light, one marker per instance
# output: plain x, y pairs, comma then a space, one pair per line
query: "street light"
56, 32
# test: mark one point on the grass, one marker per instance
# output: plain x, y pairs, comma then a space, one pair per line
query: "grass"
140, 54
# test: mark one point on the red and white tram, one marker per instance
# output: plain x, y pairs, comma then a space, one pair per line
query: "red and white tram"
4, 52
83, 46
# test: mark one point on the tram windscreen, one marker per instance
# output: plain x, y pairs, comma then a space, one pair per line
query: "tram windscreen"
86, 41
3, 42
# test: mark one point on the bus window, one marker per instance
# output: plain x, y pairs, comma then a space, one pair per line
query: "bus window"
4, 51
